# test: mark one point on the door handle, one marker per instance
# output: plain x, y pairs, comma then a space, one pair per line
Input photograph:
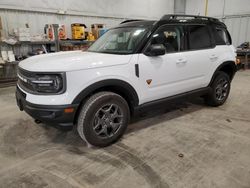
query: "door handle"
213, 57
179, 61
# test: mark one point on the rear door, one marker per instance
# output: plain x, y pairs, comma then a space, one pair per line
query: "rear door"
200, 54
223, 50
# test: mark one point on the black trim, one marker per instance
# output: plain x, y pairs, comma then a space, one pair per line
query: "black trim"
173, 99
183, 16
137, 70
49, 114
216, 36
147, 38
227, 63
229, 36
190, 21
114, 85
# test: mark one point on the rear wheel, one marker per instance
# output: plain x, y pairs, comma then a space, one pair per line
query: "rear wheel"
103, 119
220, 90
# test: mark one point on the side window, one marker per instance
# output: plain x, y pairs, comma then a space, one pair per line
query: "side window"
221, 37
199, 37
171, 37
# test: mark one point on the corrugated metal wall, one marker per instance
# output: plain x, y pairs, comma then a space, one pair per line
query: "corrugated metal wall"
110, 12
12, 19
239, 29
104, 8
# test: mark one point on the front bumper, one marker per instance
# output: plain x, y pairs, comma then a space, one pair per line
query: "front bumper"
49, 114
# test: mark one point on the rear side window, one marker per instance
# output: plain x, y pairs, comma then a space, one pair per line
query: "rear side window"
199, 37
222, 37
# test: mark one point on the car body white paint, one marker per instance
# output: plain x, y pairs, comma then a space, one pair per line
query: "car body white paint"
171, 74
72, 61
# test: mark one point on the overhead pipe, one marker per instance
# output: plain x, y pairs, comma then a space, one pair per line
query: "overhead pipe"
236, 16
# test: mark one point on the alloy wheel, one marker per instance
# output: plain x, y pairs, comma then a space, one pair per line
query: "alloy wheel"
108, 120
221, 90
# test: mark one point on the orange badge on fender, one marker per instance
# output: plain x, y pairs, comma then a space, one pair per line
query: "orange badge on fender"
149, 81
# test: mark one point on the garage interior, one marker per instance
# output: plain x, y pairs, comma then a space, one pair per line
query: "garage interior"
186, 144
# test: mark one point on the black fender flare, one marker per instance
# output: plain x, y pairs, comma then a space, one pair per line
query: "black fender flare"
226, 63
115, 85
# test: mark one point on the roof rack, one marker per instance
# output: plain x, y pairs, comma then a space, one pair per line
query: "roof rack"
126, 21
175, 17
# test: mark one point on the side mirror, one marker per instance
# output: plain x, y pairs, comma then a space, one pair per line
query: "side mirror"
155, 50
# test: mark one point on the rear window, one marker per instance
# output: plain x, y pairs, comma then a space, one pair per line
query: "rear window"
222, 37
199, 37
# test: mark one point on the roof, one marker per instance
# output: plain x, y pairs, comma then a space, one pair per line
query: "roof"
186, 16
195, 19
174, 18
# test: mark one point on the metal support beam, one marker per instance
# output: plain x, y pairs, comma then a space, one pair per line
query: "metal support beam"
206, 7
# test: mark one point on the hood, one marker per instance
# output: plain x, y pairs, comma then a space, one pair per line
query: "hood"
70, 61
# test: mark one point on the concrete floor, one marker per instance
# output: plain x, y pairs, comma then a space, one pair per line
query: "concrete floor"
214, 142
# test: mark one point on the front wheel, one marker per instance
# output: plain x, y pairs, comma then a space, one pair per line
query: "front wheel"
220, 90
103, 119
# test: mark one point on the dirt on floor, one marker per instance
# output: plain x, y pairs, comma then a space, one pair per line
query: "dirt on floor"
183, 145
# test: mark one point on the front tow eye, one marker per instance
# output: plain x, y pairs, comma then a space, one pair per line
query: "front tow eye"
37, 121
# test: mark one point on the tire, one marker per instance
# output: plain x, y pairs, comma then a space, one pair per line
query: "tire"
103, 119
220, 90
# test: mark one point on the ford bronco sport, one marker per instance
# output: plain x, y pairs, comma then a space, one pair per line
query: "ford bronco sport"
132, 66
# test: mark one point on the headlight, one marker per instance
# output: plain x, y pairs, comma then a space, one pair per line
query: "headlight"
48, 83
42, 83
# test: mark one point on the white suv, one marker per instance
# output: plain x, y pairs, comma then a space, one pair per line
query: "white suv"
132, 66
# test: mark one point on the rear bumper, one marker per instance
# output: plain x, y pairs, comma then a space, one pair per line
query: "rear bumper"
49, 114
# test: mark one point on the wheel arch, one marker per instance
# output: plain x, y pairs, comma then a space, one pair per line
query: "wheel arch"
228, 67
113, 85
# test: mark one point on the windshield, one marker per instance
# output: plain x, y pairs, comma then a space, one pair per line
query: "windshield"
119, 41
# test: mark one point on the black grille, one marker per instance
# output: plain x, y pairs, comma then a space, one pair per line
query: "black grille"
21, 93
25, 73
24, 80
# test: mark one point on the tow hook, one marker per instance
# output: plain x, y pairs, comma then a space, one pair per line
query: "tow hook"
37, 121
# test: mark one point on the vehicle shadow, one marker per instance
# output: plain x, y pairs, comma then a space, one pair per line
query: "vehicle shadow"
161, 113
142, 120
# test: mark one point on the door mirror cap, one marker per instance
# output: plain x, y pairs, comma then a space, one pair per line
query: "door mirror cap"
155, 50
